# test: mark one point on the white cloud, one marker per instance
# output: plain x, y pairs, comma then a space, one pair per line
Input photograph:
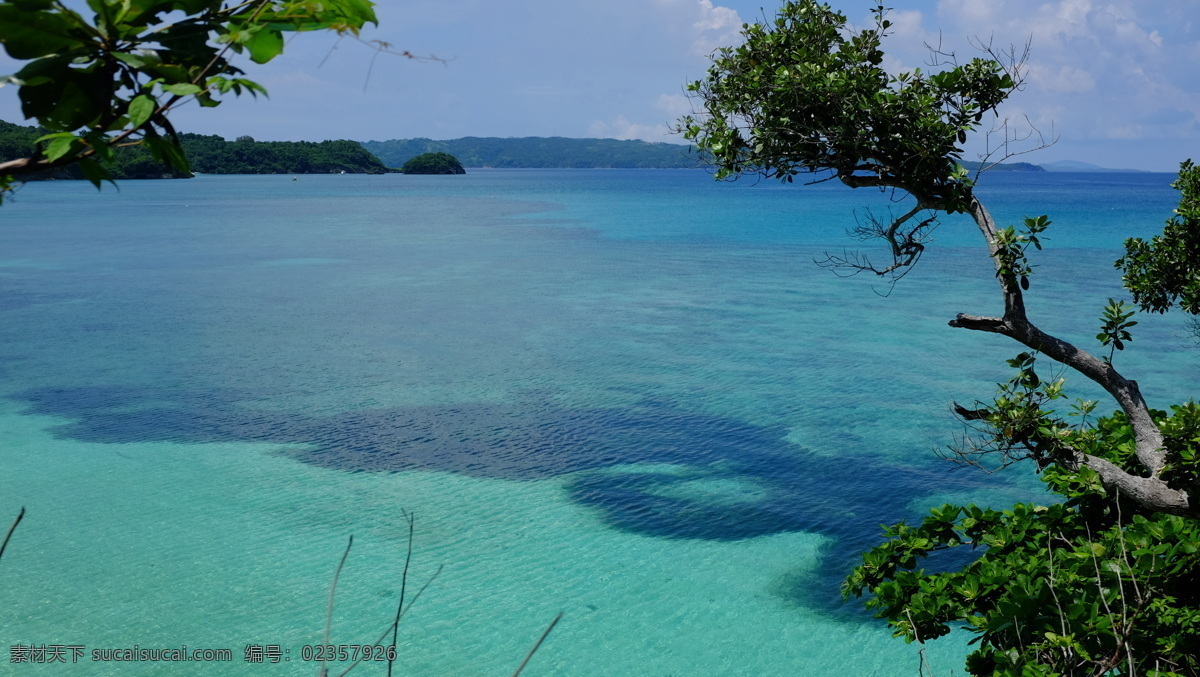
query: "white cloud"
973, 13
1125, 132
621, 128
904, 47
717, 27
1073, 12
1062, 79
673, 105
1097, 67
706, 26
907, 26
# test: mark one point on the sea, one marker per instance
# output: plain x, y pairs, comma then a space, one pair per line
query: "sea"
634, 397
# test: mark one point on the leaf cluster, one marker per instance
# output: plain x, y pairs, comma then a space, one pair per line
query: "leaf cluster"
1021, 422
1181, 441
1083, 587
1166, 270
1114, 329
1011, 245
1093, 584
804, 93
98, 82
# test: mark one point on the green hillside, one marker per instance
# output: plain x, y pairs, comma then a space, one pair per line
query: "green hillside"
537, 152
214, 155
540, 152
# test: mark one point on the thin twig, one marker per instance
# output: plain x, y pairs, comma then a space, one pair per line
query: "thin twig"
329, 610
538, 644
396, 622
11, 529
411, 517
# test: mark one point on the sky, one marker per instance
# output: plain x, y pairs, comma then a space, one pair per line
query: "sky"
1114, 81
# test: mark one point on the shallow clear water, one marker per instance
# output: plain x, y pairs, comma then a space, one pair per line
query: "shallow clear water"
627, 395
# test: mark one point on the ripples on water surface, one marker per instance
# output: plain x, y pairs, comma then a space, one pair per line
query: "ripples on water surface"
626, 395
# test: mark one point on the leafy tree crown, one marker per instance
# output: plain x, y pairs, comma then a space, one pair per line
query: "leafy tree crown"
806, 94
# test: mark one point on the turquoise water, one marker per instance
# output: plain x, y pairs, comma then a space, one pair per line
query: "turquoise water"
627, 395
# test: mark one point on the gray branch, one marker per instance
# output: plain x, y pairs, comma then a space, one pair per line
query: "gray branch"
1152, 491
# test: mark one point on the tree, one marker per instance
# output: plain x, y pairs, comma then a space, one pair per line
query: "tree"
110, 80
1108, 580
1166, 270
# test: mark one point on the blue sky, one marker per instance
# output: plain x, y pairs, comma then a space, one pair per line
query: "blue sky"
1116, 80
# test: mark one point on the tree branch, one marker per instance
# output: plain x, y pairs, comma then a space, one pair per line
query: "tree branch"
1151, 492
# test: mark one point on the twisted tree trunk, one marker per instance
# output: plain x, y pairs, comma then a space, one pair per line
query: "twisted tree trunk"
1150, 491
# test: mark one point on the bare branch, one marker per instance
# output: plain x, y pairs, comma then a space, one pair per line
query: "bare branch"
20, 516
411, 519
906, 245
1001, 138
329, 609
538, 644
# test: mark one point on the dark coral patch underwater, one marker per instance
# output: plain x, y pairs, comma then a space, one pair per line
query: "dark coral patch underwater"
652, 469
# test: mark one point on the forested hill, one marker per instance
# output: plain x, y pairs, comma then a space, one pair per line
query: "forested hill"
214, 155
1004, 167
537, 152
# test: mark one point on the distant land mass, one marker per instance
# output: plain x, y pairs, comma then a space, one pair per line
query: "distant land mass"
212, 155
540, 152
557, 152
1076, 166
215, 155
1003, 167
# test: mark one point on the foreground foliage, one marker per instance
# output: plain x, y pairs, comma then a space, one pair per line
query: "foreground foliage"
1105, 578
1093, 584
109, 80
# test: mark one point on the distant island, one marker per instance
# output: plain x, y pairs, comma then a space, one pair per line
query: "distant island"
433, 163
538, 152
1077, 166
1003, 167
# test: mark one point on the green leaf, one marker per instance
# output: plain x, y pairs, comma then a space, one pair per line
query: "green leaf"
206, 100
60, 145
140, 109
31, 34
94, 172
135, 60
265, 45
182, 88
168, 152
69, 101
